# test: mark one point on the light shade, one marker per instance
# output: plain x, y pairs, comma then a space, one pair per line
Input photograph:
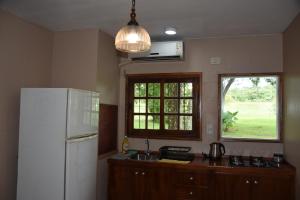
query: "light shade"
133, 39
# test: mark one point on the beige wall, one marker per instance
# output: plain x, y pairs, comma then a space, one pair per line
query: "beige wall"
108, 70
25, 61
31, 56
75, 57
291, 44
241, 54
108, 86
87, 59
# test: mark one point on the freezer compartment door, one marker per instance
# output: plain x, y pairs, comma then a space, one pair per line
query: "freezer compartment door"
83, 113
81, 168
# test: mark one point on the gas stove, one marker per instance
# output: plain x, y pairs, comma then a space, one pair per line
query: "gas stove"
251, 161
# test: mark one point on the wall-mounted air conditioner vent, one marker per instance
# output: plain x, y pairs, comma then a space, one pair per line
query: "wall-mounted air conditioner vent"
170, 50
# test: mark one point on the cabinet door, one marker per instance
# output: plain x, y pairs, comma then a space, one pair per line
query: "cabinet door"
156, 183
233, 187
138, 183
272, 188
120, 183
149, 184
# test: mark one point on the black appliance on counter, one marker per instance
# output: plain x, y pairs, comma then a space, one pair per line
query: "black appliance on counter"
176, 153
216, 151
252, 161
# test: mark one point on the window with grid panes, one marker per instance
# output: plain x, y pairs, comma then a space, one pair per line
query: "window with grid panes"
165, 106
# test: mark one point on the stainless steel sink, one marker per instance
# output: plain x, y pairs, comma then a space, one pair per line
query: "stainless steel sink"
145, 157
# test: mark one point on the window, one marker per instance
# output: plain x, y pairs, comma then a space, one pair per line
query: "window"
250, 107
165, 106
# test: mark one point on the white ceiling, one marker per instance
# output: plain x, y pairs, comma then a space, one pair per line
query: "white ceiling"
191, 18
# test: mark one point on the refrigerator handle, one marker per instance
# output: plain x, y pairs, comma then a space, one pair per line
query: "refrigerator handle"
82, 139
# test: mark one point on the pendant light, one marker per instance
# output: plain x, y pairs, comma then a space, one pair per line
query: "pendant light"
133, 38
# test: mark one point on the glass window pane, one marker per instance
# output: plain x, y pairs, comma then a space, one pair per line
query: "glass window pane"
153, 105
153, 122
186, 123
171, 122
186, 106
139, 106
186, 89
154, 89
171, 89
171, 106
250, 107
139, 122
140, 89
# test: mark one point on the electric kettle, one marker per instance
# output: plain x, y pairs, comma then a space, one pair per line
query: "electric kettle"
217, 150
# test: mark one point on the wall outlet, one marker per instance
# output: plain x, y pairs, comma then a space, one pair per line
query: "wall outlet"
215, 60
210, 129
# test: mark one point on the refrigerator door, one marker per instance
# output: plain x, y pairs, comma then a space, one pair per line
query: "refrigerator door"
81, 168
83, 113
42, 146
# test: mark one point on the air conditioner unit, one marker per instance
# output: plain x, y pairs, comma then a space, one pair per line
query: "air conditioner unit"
168, 50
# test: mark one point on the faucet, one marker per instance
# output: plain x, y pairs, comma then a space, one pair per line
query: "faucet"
147, 151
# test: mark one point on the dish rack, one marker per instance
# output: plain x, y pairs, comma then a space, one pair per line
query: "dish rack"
176, 153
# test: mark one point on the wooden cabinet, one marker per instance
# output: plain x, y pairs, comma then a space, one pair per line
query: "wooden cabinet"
158, 181
121, 183
232, 187
137, 180
150, 184
134, 182
191, 184
252, 187
272, 188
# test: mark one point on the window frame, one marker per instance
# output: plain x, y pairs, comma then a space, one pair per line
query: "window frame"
162, 78
280, 107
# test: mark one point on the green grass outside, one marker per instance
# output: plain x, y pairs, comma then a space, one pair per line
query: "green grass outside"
151, 125
255, 120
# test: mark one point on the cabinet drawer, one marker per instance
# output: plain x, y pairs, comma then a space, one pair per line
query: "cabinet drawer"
190, 193
192, 178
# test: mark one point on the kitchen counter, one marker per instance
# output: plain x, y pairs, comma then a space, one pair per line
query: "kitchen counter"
200, 179
221, 165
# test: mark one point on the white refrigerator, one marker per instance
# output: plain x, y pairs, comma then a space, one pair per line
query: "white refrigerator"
58, 143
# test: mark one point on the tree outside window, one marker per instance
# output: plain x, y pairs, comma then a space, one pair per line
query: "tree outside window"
164, 106
250, 106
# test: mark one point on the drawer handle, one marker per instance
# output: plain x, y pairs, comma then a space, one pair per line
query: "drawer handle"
247, 181
191, 193
143, 173
136, 173
191, 178
255, 182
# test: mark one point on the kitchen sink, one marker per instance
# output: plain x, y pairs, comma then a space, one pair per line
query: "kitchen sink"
144, 157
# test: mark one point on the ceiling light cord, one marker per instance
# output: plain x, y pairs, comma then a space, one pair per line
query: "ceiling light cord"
133, 15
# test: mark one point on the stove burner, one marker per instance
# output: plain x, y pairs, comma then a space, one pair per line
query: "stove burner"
259, 162
237, 161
